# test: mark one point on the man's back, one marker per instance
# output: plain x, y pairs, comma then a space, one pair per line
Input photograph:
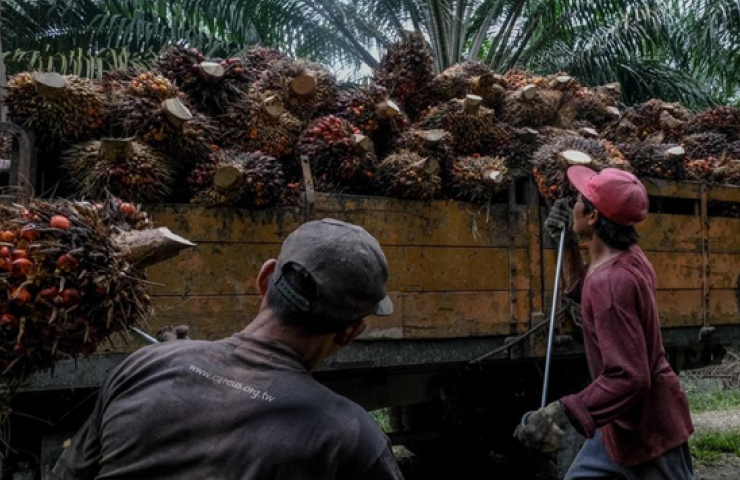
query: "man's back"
241, 408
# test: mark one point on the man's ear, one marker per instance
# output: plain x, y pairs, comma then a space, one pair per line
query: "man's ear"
350, 332
263, 279
593, 217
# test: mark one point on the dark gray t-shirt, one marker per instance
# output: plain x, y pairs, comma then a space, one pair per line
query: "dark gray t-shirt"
238, 408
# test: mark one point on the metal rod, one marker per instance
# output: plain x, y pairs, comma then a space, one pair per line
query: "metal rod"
144, 336
553, 312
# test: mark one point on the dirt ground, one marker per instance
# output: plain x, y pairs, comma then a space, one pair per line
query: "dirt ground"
509, 466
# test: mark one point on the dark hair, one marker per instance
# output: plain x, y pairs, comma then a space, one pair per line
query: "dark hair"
288, 312
616, 236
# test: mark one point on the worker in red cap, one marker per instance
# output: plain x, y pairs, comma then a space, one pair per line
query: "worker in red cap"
634, 413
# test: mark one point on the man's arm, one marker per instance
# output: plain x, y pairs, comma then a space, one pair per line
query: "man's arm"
625, 377
81, 460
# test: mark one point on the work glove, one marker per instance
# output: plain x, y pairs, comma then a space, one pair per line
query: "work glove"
561, 217
543, 429
171, 332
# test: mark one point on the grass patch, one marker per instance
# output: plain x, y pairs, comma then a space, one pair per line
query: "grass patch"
707, 446
382, 419
706, 395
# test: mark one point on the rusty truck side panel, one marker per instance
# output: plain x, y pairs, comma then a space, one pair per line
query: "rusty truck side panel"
457, 270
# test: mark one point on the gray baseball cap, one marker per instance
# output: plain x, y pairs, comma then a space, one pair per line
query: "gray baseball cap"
347, 266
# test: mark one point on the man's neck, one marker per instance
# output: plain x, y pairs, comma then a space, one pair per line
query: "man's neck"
266, 325
599, 252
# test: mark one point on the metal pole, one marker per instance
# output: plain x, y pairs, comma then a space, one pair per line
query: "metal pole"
144, 336
553, 311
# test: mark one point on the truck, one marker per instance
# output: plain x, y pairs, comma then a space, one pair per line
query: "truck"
461, 358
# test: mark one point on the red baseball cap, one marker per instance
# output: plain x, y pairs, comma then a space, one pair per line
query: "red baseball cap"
616, 194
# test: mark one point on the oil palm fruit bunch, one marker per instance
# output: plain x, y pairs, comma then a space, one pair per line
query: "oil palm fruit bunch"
258, 59
152, 85
470, 78
291, 196
169, 125
727, 172
342, 159
56, 108
73, 276
591, 108
733, 150
724, 120
255, 122
210, 85
244, 179
650, 118
478, 179
552, 160
406, 174
518, 79
472, 126
663, 160
201, 177
701, 169
407, 71
521, 147
374, 114
306, 89
531, 106
128, 169
703, 145
435, 144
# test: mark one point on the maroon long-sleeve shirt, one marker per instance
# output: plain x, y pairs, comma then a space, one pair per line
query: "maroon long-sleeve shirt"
635, 396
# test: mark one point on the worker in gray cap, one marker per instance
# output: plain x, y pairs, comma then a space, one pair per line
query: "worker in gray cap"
246, 407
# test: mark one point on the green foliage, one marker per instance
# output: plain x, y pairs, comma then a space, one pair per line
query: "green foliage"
707, 446
382, 419
706, 395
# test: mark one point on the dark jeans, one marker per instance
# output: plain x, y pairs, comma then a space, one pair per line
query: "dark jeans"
593, 462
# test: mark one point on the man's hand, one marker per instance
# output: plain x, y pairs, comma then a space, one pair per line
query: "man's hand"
543, 429
171, 332
561, 217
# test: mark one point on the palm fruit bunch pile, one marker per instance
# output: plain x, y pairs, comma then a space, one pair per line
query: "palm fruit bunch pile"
434, 144
374, 114
470, 78
73, 275
662, 160
553, 159
57, 108
517, 79
250, 180
257, 122
406, 174
130, 170
210, 85
473, 127
723, 120
653, 117
478, 179
407, 71
201, 176
307, 90
704, 153
342, 159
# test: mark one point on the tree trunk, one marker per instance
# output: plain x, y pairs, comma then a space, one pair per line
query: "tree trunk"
144, 248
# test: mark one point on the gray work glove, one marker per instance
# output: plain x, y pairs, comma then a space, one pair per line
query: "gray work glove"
561, 217
543, 429
171, 332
